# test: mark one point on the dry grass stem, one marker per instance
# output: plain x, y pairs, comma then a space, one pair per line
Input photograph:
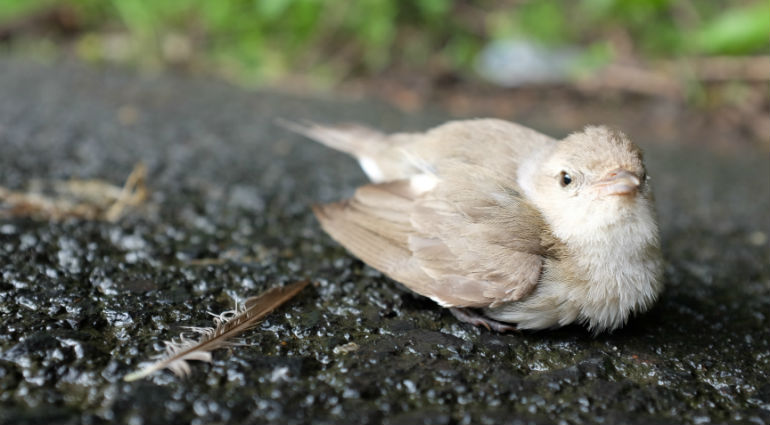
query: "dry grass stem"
85, 199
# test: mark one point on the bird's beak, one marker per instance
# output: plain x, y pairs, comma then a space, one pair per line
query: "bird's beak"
618, 182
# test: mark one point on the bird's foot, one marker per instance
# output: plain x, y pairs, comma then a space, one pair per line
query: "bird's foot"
477, 319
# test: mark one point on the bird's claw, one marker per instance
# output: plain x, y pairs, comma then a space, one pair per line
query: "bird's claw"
476, 319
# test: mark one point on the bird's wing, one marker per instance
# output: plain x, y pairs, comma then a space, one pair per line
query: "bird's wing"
468, 242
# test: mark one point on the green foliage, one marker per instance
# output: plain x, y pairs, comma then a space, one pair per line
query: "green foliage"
10, 9
256, 40
738, 30
543, 20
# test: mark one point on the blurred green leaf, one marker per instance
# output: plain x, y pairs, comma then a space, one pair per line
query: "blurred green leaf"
433, 9
737, 31
594, 57
543, 20
271, 9
462, 51
12, 9
136, 15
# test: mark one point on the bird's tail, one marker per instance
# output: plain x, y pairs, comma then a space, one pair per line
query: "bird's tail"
355, 140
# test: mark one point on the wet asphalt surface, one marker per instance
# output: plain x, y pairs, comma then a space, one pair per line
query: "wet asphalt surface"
82, 303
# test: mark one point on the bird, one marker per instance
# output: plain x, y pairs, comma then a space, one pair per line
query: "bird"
508, 228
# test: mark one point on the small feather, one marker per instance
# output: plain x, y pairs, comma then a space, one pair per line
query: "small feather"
227, 326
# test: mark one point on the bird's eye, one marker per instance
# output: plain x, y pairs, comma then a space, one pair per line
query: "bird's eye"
565, 179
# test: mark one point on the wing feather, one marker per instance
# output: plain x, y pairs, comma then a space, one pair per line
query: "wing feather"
463, 243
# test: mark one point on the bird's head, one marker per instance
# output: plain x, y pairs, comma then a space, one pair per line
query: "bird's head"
593, 180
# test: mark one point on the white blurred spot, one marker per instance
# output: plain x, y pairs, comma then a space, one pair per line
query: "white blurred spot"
422, 183
280, 373
371, 169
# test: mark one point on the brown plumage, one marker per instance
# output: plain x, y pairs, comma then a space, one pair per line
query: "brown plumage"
491, 215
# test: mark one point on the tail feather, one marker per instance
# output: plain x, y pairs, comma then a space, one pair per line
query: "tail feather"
380, 155
355, 140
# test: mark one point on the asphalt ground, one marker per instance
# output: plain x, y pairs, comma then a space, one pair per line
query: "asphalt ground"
85, 301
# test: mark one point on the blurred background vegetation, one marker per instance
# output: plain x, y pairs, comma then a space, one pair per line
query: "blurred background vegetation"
322, 43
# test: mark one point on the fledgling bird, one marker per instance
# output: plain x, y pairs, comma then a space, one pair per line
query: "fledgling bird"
502, 224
